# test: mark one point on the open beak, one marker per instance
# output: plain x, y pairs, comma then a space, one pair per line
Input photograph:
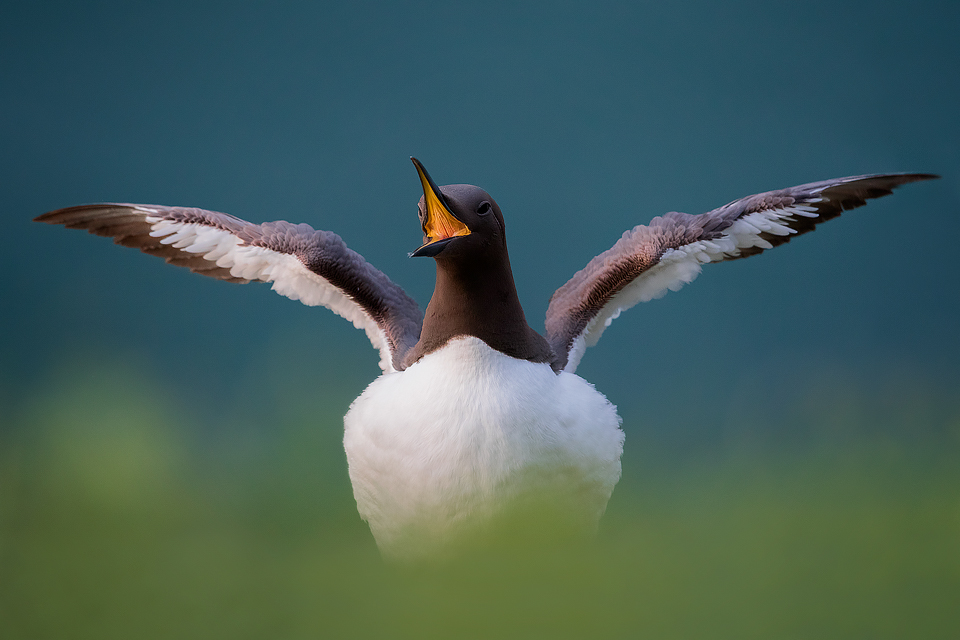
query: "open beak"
440, 224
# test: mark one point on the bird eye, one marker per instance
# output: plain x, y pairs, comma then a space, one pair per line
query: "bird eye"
484, 208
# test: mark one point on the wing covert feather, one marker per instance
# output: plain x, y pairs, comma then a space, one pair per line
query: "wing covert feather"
302, 263
650, 260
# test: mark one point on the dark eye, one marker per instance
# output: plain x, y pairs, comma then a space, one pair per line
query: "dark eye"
484, 208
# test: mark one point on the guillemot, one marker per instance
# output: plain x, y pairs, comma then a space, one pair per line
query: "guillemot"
476, 417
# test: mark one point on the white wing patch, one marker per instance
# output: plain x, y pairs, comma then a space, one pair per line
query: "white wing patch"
681, 266
288, 275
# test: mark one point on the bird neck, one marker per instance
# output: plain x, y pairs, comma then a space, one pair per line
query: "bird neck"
479, 298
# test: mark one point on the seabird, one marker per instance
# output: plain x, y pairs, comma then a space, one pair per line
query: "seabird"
477, 417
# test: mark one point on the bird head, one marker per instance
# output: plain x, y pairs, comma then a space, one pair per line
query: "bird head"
457, 219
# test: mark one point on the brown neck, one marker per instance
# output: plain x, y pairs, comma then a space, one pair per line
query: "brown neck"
479, 299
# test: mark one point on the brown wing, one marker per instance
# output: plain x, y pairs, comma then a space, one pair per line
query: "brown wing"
315, 267
668, 253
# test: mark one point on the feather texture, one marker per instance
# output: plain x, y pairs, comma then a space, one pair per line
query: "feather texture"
315, 267
650, 260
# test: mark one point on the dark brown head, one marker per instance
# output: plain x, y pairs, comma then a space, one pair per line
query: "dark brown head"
475, 294
458, 220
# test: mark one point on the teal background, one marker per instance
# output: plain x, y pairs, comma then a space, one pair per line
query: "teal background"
170, 458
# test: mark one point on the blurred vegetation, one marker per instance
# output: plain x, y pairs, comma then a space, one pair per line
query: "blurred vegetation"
121, 518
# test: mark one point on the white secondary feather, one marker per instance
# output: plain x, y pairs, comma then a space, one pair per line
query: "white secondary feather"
286, 273
467, 434
681, 266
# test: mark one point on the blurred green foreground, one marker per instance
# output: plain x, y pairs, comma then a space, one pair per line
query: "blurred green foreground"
117, 520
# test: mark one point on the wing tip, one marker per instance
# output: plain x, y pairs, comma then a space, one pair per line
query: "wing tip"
54, 217
67, 214
906, 178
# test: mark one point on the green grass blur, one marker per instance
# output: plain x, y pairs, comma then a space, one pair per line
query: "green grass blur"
119, 518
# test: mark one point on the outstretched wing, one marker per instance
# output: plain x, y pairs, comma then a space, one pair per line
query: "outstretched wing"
315, 267
668, 253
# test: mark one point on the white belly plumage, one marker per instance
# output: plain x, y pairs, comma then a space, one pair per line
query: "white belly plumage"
440, 452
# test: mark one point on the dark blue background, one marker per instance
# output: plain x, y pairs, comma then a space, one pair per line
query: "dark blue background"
583, 120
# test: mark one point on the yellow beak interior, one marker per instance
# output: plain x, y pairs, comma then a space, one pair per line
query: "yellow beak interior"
439, 223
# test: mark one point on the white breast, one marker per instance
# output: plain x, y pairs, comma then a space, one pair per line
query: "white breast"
442, 452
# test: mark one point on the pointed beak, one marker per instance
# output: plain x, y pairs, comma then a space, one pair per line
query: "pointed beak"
440, 224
